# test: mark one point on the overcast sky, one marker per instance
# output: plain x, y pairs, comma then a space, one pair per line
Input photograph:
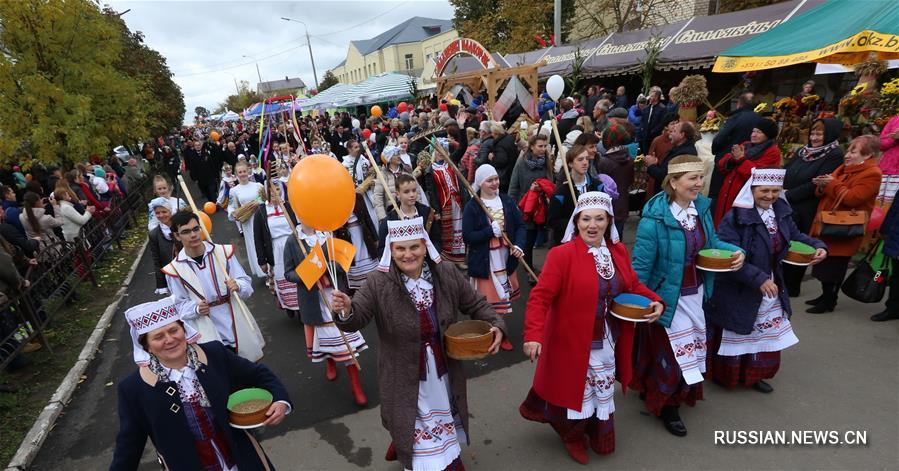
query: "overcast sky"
204, 41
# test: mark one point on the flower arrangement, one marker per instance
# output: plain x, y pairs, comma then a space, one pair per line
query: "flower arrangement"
810, 100
786, 105
760, 107
691, 91
712, 122
889, 98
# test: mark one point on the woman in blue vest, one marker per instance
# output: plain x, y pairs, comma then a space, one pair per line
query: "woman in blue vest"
178, 397
750, 311
670, 353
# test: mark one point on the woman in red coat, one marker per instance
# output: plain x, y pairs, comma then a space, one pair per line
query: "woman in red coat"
760, 151
581, 348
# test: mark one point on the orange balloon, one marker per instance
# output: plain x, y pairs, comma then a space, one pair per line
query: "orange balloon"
204, 218
209, 208
214, 135
28, 177
321, 192
376, 111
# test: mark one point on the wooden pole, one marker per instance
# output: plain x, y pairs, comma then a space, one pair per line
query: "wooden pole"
564, 164
477, 198
381, 179
318, 283
221, 265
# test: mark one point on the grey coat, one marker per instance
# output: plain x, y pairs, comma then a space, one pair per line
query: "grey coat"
523, 176
384, 298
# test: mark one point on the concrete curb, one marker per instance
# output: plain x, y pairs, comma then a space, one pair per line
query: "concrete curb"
35, 438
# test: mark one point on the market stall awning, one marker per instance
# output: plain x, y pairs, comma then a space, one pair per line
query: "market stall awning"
379, 88
622, 52
836, 32
562, 59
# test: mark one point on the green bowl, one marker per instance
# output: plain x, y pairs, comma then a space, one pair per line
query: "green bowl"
716, 253
248, 394
252, 418
799, 247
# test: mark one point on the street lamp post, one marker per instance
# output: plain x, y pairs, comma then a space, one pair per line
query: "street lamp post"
309, 44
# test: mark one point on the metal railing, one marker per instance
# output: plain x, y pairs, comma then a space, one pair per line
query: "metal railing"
61, 267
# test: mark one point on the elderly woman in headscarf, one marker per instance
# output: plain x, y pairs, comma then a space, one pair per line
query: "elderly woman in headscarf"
163, 246
178, 397
822, 155
750, 310
491, 261
413, 297
580, 349
736, 166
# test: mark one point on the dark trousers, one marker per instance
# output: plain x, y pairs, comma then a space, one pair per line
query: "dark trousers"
793, 276
892, 303
529, 243
619, 224
210, 189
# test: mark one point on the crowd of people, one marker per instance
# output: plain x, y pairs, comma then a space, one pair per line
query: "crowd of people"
41, 219
457, 203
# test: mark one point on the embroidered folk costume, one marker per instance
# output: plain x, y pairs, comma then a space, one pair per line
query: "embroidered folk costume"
749, 329
174, 205
191, 281
241, 195
427, 413
584, 349
361, 231
271, 231
446, 198
184, 410
491, 265
323, 339
670, 357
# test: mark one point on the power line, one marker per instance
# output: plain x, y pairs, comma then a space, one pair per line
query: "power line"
242, 64
358, 24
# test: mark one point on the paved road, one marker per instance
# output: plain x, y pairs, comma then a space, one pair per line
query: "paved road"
841, 376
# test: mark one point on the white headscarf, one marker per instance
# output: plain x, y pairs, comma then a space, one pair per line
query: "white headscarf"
403, 230
482, 174
150, 316
759, 177
592, 200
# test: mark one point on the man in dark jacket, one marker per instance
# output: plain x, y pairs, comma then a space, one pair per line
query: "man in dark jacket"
568, 118
338, 139
617, 163
505, 154
736, 130
652, 118
683, 139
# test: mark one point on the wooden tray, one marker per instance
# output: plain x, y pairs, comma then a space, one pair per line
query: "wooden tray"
468, 340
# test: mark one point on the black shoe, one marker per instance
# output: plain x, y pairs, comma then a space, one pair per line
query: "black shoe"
885, 316
672, 421
816, 301
820, 308
762, 386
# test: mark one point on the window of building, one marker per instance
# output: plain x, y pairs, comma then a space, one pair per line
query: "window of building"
409, 63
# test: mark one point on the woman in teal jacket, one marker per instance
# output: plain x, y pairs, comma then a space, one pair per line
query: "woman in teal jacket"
670, 353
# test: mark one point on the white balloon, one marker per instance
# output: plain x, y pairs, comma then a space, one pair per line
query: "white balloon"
555, 86
355, 123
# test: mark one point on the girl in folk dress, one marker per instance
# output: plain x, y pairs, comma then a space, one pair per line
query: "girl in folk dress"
228, 182
750, 311
360, 230
580, 349
412, 297
323, 339
271, 230
162, 187
670, 354
244, 193
491, 262
445, 196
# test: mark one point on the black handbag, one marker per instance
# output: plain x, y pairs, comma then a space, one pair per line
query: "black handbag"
847, 224
867, 283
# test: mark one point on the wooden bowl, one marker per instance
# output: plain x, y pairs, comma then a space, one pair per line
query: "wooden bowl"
631, 306
247, 407
800, 253
714, 259
468, 340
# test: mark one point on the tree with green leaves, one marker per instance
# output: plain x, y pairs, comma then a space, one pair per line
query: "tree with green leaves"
242, 100
328, 81
200, 112
62, 97
509, 25
165, 109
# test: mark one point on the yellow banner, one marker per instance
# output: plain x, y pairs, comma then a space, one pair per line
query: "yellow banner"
851, 50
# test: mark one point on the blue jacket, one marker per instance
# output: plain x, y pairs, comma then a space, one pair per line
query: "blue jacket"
635, 117
146, 409
737, 296
477, 232
889, 230
659, 253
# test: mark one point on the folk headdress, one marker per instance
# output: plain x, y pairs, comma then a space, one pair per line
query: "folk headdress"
759, 177
147, 317
403, 230
592, 200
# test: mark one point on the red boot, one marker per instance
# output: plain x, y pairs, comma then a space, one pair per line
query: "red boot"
331, 371
391, 453
578, 450
358, 394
